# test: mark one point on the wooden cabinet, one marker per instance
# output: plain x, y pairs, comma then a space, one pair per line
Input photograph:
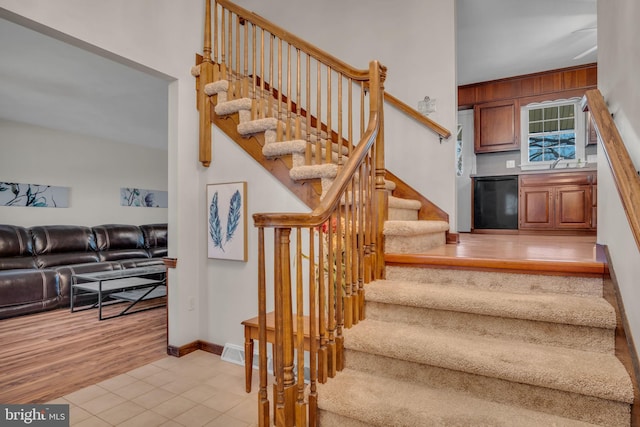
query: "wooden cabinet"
558, 201
496, 126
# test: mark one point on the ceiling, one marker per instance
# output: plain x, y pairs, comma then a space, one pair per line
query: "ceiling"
505, 38
54, 84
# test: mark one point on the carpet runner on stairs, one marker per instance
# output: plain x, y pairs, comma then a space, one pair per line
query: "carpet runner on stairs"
463, 353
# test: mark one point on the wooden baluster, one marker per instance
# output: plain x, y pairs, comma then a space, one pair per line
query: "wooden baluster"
355, 315
236, 74
340, 160
309, 147
262, 106
361, 257
298, 125
223, 57
313, 331
263, 397
350, 118
254, 79
329, 145
367, 225
318, 156
331, 299
230, 71
245, 77
215, 59
339, 290
288, 95
279, 129
270, 98
346, 259
323, 366
301, 406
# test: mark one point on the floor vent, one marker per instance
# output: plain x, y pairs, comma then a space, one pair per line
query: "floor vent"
235, 354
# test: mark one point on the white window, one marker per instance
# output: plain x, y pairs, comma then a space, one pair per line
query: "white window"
553, 134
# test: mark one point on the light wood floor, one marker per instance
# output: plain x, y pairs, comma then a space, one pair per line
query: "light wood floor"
531, 247
47, 355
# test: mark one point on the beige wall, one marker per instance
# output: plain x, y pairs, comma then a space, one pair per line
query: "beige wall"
618, 65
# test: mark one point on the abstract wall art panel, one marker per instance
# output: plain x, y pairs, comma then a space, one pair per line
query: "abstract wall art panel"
33, 195
143, 198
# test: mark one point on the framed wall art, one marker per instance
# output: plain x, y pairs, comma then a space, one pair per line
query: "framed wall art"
227, 221
33, 195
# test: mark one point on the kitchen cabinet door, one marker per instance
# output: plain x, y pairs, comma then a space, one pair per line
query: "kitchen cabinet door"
496, 126
573, 206
536, 209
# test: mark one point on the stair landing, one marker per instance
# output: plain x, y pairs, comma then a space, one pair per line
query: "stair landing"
551, 254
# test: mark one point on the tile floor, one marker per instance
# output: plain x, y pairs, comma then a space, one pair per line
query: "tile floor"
199, 389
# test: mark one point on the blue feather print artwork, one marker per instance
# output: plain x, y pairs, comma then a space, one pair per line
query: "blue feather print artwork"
235, 209
226, 238
214, 223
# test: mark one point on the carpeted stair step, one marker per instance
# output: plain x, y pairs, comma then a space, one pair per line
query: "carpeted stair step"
358, 399
498, 280
403, 209
414, 236
586, 385
580, 322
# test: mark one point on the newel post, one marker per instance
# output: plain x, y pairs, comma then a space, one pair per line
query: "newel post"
204, 102
378, 73
285, 390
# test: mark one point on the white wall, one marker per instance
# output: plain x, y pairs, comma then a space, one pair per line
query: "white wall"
618, 65
415, 40
93, 168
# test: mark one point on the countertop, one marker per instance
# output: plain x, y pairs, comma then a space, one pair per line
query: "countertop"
518, 171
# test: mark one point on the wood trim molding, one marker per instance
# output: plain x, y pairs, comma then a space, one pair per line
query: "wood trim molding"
624, 345
546, 83
193, 346
170, 262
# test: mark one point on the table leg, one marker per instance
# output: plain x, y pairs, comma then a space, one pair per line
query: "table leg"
248, 359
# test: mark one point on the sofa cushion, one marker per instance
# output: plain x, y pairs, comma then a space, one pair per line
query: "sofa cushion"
16, 249
155, 239
119, 241
63, 244
28, 286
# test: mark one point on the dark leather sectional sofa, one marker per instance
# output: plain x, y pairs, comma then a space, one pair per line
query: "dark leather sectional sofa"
36, 263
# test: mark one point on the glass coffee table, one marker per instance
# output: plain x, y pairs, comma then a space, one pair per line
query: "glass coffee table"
131, 285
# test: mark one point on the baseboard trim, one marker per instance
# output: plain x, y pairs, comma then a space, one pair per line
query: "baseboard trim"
193, 346
624, 345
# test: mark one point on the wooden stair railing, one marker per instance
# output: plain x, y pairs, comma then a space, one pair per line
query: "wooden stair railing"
442, 132
333, 251
624, 172
312, 97
304, 97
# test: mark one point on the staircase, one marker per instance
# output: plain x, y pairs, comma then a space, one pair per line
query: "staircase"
463, 347
459, 347
439, 346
